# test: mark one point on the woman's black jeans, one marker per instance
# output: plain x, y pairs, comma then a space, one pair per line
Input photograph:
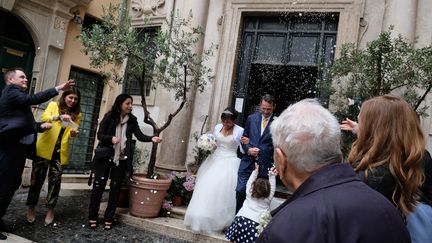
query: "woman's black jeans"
116, 174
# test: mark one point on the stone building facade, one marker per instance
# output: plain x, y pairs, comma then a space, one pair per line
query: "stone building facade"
41, 37
252, 37
226, 25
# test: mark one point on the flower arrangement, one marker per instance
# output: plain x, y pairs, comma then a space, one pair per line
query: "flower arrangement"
264, 220
182, 185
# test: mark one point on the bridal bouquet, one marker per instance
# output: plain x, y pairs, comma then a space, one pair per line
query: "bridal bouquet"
207, 142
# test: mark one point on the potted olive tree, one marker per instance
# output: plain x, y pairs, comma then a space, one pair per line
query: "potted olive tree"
387, 65
177, 68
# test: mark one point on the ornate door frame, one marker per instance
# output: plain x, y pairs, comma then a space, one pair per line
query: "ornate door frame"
350, 13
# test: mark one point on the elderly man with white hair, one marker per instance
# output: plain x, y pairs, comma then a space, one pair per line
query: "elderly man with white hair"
329, 203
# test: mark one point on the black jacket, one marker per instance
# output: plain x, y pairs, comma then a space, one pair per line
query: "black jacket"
106, 132
16, 117
381, 179
426, 189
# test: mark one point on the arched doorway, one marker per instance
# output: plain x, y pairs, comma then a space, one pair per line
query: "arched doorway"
16, 46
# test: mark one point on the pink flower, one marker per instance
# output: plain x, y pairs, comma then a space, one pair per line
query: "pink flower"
167, 205
189, 185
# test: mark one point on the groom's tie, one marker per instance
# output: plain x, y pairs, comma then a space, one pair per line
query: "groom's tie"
264, 124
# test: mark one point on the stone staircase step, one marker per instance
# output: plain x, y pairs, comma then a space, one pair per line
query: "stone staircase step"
169, 226
11, 238
178, 212
75, 178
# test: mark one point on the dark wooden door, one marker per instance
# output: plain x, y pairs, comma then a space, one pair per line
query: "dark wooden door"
90, 86
284, 56
16, 47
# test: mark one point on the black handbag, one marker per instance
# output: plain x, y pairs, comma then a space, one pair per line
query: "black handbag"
104, 152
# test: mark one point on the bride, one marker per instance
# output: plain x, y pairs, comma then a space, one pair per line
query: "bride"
213, 203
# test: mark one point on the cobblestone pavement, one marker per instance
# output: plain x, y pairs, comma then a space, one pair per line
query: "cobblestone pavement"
70, 224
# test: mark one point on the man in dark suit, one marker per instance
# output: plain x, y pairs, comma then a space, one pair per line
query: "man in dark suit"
259, 147
18, 133
330, 203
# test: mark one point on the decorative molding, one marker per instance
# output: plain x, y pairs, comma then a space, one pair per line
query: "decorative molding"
60, 23
146, 7
7, 4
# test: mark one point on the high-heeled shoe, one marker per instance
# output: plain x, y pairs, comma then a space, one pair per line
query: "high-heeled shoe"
49, 218
93, 224
107, 225
31, 215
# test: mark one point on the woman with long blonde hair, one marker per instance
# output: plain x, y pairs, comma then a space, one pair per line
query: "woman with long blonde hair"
389, 150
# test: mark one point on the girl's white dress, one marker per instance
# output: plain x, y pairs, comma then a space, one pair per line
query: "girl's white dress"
213, 203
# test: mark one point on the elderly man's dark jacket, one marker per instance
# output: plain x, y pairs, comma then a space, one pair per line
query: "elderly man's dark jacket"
334, 206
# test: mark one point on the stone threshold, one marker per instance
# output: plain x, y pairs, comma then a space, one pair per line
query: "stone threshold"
168, 226
11, 238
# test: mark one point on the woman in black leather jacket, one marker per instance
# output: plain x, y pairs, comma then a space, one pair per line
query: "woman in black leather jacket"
115, 131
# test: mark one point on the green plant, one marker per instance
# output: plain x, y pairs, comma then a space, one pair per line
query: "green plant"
182, 184
178, 68
387, 65
166, 208
140, 157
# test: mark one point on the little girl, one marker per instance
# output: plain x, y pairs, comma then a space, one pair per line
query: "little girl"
259, 193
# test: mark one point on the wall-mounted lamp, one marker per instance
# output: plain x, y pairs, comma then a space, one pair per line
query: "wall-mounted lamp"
77, 18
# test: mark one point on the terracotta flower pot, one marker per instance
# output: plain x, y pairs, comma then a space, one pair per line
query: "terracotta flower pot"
147, 195
177, 200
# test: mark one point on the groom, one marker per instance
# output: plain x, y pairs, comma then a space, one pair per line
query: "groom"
259, 149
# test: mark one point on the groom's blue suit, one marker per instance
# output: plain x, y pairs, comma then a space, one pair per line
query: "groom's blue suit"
264, 142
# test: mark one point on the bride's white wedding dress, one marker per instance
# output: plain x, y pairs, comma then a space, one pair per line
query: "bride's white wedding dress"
213, 203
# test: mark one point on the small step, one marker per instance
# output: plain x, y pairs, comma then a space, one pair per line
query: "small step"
11, 238
168, 226
75, 178
178, 212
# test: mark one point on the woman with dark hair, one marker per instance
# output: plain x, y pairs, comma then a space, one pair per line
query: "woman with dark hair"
52, 151
115, 131
213, 203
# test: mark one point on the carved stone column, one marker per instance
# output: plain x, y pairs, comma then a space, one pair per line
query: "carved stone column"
173, 149
402, 15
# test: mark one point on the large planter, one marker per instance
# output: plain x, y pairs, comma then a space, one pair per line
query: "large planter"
123, 199
147, 195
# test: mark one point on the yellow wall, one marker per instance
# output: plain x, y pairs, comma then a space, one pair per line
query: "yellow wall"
72, 55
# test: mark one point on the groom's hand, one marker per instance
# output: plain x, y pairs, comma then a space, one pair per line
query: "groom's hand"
253, 151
